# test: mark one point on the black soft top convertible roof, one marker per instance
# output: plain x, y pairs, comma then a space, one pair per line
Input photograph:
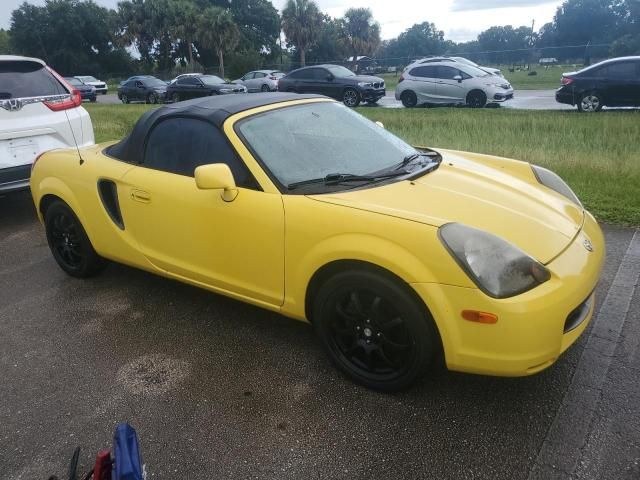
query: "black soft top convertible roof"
214, 110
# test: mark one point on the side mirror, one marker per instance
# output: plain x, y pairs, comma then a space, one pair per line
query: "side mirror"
458, 78
380, 124
217, 176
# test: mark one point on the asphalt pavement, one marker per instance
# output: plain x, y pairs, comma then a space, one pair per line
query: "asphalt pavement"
218, 389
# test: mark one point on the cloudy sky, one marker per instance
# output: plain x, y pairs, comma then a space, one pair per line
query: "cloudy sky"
461, 20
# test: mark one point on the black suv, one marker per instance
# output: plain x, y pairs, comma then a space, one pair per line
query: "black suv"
334, 81
612, 83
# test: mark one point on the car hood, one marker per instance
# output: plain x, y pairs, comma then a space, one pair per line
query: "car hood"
365, 78
496, 195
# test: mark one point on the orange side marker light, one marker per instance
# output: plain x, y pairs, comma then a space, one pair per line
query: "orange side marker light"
479, 317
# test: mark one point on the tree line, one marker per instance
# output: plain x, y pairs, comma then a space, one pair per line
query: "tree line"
186, 35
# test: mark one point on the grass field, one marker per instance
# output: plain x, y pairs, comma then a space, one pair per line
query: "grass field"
598, 155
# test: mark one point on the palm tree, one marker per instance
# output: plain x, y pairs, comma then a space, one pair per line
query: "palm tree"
301, 22
184, 15
360, 32
217, 30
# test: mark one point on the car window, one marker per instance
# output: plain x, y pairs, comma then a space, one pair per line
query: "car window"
27, 79
260, 75
622, 70
179, 145
248, 76
188, 81
138, 84
298, 74
428, 71
318, 74
211, 80
73, 82
130, 83
447, 73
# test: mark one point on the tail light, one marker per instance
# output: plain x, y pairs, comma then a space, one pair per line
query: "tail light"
401, 78
273, 78
567, 80
75, 100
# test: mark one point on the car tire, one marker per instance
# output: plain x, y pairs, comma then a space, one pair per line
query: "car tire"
590, 102
374, 329
351, 97
69, 243
152, 98
93, 99
477, 99
124, 99
409, 99
265, 88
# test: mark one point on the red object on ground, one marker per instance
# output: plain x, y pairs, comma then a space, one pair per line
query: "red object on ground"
102, 468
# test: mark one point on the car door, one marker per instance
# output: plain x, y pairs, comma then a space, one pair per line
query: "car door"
188, 87
622, 82
247, 81
194, 234
258, 80
308, 81
425, 80
448, 88
138, 90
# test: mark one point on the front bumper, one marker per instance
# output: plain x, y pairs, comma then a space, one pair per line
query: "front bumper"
533, 328
372, 94
499, 95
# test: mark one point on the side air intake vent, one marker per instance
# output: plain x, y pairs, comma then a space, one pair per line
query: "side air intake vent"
109, 196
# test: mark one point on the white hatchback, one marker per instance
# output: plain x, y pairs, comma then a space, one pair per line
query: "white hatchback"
447, 83
39, 111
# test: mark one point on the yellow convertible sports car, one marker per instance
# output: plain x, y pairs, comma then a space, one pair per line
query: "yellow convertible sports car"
295, 203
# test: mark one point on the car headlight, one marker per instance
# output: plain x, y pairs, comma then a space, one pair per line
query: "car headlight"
553, 181
365, 84
497, 267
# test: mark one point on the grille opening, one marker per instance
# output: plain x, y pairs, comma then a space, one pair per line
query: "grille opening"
578, 314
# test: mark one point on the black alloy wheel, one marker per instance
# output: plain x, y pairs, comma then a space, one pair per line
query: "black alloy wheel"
409, 99
477, 99
351, 97
265, 88
152, 98
374, 330
124, 98
69, 243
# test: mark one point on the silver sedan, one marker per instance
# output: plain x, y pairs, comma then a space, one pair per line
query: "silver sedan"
261, 80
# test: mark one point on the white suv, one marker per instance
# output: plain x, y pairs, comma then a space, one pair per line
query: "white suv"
447, 83
39, 111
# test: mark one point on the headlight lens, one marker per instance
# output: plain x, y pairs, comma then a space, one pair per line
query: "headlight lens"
365, 84
553, 181
496, 266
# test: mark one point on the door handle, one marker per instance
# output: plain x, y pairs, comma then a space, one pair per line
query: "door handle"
140, 196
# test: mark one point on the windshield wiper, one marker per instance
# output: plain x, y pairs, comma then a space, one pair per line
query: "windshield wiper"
338, 178
411, 157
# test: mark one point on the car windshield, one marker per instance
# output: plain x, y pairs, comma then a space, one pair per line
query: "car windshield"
153, 82
88, 79
340, 72
302, 142
475, 71
465, 61
74, 81
211, 80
